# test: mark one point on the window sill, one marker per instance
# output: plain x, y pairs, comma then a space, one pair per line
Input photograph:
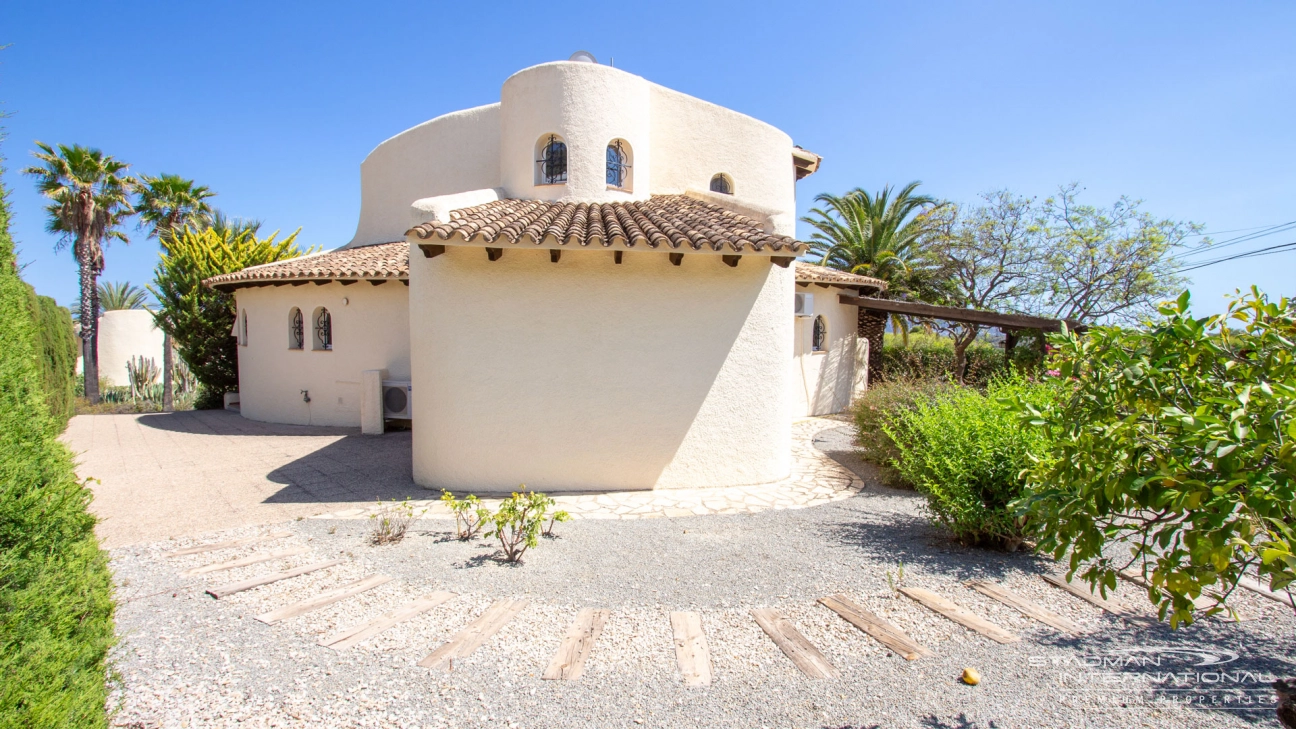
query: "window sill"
818, 351
551, 184
619, 188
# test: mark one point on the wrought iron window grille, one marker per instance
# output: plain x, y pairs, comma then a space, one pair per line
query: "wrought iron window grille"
297, 330
820, 337
552, 164
324, 329
721, 184
618, 165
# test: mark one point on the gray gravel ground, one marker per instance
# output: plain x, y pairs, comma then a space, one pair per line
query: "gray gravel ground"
188, 661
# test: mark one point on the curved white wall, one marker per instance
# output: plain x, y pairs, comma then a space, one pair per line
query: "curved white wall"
586, 104
123, 334
449, 154
586, 374
370, 331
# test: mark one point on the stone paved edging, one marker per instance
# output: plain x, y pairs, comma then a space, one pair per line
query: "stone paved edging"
815, 479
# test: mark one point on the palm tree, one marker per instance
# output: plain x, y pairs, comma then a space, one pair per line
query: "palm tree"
169, 202
114, 297
874, 235
231, 228
89, 193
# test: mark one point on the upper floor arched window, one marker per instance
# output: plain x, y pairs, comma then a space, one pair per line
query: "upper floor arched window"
551, 160
618, 164
722, 184
819, 338
323, 330
296, 329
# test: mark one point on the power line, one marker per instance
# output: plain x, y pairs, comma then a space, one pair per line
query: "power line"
1235, 230
1261, 233
1280, 248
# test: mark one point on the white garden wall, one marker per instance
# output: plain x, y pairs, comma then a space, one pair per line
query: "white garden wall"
126, 333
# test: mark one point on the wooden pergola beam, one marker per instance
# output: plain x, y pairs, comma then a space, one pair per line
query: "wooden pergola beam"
1007, 322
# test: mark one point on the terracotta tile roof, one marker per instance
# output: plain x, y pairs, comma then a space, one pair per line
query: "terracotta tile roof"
670, 222
385, 261
810, 273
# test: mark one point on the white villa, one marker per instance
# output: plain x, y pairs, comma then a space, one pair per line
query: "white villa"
589, 285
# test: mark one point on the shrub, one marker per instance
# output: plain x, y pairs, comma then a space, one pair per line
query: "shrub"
199, 319
469, 515
56, 610
931, 357
965, 450
878, 406
1177, 442
391, 521
59, 346
519, 522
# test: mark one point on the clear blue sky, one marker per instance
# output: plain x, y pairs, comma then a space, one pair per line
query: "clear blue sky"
1188, 106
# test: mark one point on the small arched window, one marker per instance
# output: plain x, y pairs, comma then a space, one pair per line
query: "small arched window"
323, 330
551, 160
722, 184
819, 339
618, 164
242, 328
296, 329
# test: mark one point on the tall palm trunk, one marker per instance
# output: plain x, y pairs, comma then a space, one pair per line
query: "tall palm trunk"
89, 327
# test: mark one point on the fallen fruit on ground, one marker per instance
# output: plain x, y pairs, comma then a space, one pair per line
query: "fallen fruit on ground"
971, 676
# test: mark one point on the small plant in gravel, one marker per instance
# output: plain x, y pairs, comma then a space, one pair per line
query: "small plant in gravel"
391, 521
896, 579
557, 517
469, 514
519, 522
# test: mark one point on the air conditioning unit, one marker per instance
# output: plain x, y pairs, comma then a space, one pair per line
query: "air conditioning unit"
397, 399
804, 305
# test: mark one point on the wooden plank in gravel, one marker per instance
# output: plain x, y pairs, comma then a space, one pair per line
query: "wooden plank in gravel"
881, 630
569, 662
324, 598
227, 545
691, 652
959, 614
257, 558
1254, 586
348, 637
802, 652
1083, 593
1024, 605
478, 632
222, 590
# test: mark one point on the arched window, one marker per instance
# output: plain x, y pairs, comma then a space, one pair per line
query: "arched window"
296, 329
819, 339
242, 328
722, 184
323, 339
618, 164
551, 160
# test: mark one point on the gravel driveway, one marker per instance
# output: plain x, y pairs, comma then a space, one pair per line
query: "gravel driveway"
188, 660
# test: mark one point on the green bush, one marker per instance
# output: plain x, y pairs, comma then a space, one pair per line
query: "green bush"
877, 407
199, 319
56, 609
59, 346
965, 451
931, 357
1178, 443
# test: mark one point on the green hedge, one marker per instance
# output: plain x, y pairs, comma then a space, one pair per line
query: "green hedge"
59, 346
931, 357
56, 609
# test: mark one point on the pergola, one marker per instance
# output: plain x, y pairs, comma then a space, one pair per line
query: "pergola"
1009, 324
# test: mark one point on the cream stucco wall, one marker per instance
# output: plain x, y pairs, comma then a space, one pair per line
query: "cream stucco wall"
585, 374
451, 153
370, 331
123, 334
823, 382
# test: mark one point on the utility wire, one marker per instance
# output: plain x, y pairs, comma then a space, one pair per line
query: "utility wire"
1262, 233
1280, 248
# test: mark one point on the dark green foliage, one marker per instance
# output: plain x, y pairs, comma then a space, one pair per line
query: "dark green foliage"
56, 605
198, 318
877, 407
929, 357
59, 346
965, 450
1176, 447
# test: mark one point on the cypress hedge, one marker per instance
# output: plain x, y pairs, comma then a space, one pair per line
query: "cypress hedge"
56, 607
59, 346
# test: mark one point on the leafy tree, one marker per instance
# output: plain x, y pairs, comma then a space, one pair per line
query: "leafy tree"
169, 202
89, 200
989, 260
198, 318
1174, 453
1112, 263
